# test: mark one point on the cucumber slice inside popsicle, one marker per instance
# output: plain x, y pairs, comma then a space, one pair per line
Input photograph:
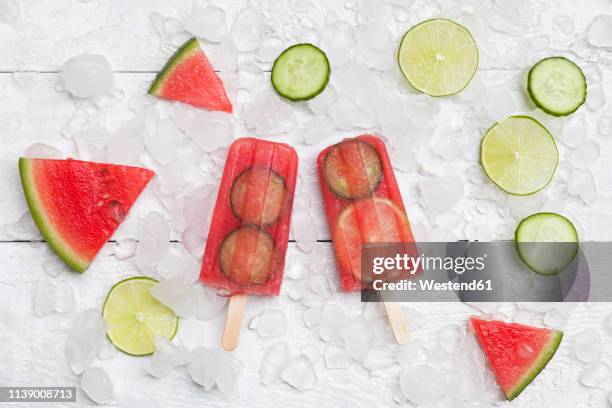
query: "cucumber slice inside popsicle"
247, 256
546, 242
259, 196
557, 86
301, 72
352, 169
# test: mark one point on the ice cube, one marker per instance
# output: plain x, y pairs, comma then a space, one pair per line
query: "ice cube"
154, 241
44, 296
181, 296
162, 144
214, 367
574, 131
318, 130
379, 358
191, 334
91, 141
126, 143
107, 351
440, 194
299, 373
273, 362
269, 115
338, 40
596, 98
23, 229
321, 104
54, 266
451, 337
500, 103
336, 357
124, 248
605, 126
249, 29
599, 33
347, 115
422, 384
208, 23
594, 375
87, 76
320, 286
582, 184
587, 346
63, 297
10, 12
312, 316
251, 77
97, 384
312, 353
271, 323
585, 155
302, 228
179, 263
358, 339
374, 36
333, 321
554, 319
209, 130
167, 356
564, 23
85, 340
270, 49
43, 151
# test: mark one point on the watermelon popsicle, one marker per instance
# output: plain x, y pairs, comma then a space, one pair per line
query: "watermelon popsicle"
363, 204
247, 241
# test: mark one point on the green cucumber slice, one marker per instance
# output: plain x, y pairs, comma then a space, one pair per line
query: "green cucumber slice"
301, 72
546, 242
557, 86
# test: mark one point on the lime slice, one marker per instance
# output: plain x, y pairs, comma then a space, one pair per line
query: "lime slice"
519, 155
438, 57
134, 318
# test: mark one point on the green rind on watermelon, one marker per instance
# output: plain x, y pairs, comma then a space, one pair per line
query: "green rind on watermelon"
501, 343
188, 77
187, 49
78, 205
546, 354
65, 252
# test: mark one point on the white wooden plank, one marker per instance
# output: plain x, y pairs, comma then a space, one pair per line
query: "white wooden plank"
38, 112
53, 31
32, 351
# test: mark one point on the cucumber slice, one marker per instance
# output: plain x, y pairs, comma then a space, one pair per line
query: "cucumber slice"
247, 256
546, 242
557, 86
259, 196
301, 72
352, 169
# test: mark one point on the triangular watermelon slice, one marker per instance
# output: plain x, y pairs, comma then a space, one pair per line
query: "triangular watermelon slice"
516, 353
188, 77
78, 205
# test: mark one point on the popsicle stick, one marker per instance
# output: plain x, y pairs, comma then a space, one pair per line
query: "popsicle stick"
395, 313
232, 322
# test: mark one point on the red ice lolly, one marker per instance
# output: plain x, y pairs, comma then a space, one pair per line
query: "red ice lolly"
247, 241
363, 204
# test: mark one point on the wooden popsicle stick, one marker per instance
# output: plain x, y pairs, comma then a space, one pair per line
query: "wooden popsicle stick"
231, 333
397, 320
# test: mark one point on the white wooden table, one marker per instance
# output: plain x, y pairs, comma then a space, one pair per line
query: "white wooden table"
32, 111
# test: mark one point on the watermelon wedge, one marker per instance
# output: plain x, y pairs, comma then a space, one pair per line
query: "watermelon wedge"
78, 205
516, 353
188, 77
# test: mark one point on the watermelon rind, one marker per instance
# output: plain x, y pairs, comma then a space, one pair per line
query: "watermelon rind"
546, 354
185, 51
61, 247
